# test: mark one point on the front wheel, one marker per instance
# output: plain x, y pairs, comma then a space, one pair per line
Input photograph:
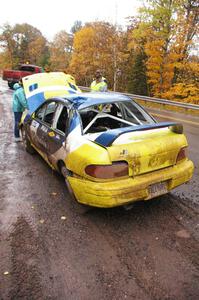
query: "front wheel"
11, 84
26, 142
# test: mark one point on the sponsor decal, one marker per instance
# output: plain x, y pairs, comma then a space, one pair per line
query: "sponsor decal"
35, 124
44, 129
51, 134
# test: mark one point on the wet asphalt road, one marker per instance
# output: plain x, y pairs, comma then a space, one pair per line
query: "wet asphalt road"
148, 252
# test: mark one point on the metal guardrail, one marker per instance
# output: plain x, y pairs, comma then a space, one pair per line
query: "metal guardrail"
154, 100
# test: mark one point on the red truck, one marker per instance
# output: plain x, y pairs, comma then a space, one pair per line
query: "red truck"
13, 76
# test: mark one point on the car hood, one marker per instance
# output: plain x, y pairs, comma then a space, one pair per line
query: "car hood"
42, 86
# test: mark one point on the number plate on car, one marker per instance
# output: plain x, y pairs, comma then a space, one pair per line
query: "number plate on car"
157, 189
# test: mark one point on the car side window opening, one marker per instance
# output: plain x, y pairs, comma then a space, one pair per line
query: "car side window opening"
131, 109
40, 112
27, 68
112, 115
62, 120
49, 113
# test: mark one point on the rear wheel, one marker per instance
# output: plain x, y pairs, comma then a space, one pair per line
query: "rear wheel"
65, 173
26, 142
81, 208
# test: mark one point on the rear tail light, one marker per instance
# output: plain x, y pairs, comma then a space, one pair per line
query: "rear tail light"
117, 169
181, 154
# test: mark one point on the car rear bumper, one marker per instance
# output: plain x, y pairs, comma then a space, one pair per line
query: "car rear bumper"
125, 191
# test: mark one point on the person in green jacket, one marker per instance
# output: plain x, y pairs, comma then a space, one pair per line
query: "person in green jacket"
19, 104
99, 83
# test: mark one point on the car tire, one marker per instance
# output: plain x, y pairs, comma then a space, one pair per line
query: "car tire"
81, 208
11, 84
64, 173
26, 142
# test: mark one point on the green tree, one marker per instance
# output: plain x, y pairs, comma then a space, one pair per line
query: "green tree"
136, 70
137, 80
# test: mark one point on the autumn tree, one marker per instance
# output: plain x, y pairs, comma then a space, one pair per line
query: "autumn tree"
157, 23
7, 45
186, 30
168, 28
61, 51
22, 43
38, 51
96, 46
185, 82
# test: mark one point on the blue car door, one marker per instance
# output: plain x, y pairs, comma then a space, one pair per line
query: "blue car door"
57, 136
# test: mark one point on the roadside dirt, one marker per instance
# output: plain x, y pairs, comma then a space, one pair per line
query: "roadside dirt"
49, 250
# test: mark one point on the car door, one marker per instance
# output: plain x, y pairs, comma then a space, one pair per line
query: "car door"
57, 136
41, 126
35, 123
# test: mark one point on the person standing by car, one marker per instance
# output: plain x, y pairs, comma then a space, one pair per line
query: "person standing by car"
99, 83
19, 104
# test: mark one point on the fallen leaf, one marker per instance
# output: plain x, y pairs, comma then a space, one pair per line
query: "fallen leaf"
53, 194
183, 234
63, 218
6, 273
41, 221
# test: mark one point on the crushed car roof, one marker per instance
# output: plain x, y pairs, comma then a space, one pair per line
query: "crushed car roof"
85, 100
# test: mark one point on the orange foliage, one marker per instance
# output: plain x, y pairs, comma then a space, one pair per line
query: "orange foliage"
60, 51
94, 48
183, 92
36, 49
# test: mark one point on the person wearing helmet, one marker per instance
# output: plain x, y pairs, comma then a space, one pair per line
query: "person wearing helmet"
99, 83
19, 104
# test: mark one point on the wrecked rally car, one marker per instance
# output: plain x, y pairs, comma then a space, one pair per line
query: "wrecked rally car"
109, 149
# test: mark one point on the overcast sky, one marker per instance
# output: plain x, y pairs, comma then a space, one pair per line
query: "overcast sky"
52, 16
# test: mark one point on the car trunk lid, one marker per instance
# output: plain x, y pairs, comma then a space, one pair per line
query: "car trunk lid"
148, 150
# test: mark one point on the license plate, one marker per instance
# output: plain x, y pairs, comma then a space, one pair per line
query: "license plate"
157, 189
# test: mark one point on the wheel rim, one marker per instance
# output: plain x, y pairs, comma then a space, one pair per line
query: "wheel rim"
64, 171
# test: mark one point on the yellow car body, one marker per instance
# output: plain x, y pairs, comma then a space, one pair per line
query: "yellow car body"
111, 150
147, 168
